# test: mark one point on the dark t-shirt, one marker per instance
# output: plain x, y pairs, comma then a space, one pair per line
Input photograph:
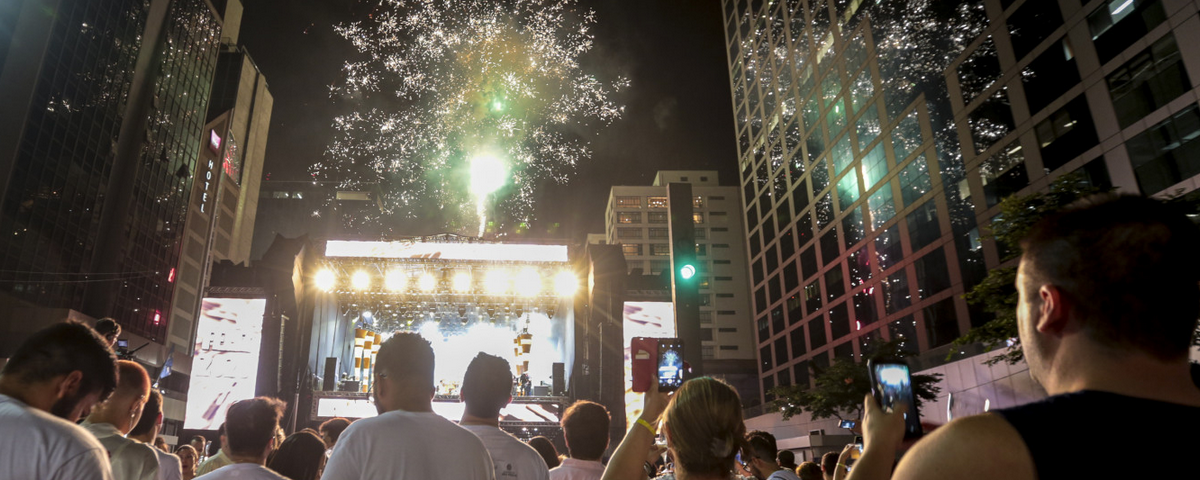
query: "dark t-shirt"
1096, 435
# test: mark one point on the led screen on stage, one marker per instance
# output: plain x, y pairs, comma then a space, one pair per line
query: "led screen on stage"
643, 319
225, 362
495, 252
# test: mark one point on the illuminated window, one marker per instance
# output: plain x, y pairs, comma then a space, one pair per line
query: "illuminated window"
698, 217
656, 202
629, 217
631, 248
914, 180
629, 201
698, 202
660, 249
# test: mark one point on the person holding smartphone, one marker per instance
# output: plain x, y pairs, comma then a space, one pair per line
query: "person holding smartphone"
1108, 300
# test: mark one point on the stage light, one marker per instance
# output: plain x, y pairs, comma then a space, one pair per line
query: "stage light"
496, 282
462, 282
565, 283
325, 279
488, 174
367, 315
462, 310
491, 311
551, 310
520, 311
361, 280
395, 280
427, 283
528, 282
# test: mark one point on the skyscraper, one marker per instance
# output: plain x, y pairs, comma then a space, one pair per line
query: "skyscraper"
105, 102
875, 139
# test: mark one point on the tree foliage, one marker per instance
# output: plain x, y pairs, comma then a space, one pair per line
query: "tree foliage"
838, 390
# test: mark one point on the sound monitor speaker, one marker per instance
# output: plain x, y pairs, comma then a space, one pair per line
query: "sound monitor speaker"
558, 383
329, 381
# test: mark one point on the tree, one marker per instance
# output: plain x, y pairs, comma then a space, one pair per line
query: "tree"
838, 391
997, 293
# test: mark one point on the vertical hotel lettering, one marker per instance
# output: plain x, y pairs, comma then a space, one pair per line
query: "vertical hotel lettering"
214, 143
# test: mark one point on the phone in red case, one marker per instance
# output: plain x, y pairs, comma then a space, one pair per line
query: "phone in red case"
643, 352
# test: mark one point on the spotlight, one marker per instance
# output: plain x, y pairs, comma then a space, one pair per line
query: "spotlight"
395, 280
426, 283
565, 284
529, 283
325, 279
462, 310
462, 282
491, 311
367, 315
520, 311
361, 280
496, 282
551, 310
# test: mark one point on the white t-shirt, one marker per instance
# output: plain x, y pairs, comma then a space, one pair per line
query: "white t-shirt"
131, 459
35, 445
575, 469
400, 444
242, 471
169, 466
514, 459
783, 474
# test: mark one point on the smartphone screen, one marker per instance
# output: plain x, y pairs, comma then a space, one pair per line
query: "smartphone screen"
670, 364
892, 384
846, 424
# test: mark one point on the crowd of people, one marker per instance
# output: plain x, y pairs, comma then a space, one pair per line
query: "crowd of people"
1108, 299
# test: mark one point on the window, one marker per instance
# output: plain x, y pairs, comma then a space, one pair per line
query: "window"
882, 207
979, 70
906, 137
904, 330
874, 167
706, 335
797, 339
1032, 23
698, 217
1066, 134
658, 267
865, 312
701, 250
726, 312
727, 330
660, 249
729, 347
656, 217
888, 250
717, 214
1149, 81
914, 181
842, 155
1004, 173
656, 202
800, 196
1050, 75
777, 320
800, 370
895, 292
923, 225
991, 121
768, 383
808, 262
816, 333
863, 89
844, 350
705, 179
812, 297
781, 352
868, 127
829, 247
701, 234
1166, 153
847, 190
298, 195
860, 267
629, 233
629, 217
721, 262
720, 245
280, 194
764, 355
659, 233
631, 249
834, 286
1117, 24
852, 227
629, 201
932, 274
941, 323
839, 321
720, 229
724, 295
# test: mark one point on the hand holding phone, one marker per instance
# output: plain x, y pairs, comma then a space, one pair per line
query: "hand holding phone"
670, 364
891, 385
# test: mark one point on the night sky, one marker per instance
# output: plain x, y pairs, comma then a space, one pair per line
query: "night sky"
677, 116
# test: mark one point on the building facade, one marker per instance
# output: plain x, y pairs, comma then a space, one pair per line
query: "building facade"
876, 139
636, 220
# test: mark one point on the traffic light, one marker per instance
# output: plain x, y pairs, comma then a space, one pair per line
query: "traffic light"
687, 271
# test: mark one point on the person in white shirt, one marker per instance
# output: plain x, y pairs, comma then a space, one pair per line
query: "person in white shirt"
407, 440
112, 419
216, 461
146, 431
585, 428
761, 449
487, 388
52, 380
249, 439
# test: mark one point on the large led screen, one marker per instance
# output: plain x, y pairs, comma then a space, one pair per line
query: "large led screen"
643, 319
225, 362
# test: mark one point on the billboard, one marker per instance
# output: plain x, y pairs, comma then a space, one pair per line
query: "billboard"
496, 252
643, 319
225, 359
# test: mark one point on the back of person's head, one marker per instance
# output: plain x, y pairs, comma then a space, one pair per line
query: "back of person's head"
132, 380
787, 459
108, 328
59, 350
299, 457
250, 425
407, 358
809, 471
704, 425
546, 449
761, 445
585, 428
150, 415
219, 443
1129, 268
487, 386
332, 429
829, 463
198, 439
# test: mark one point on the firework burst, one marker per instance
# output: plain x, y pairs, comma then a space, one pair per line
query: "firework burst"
439, 86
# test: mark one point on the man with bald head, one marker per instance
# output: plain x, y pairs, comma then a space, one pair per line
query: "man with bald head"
114, 418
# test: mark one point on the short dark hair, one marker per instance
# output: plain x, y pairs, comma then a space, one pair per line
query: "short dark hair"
787, 459
546, 449
809, 471
585, 427
299, 457
198, 437
334, 427
150, 414
829, 462
64, 348
487, 386
408, 355
250, 425
107, 326
1129, 266
761, 445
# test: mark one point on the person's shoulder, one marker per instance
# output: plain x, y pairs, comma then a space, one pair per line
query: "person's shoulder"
65, 435
980, 447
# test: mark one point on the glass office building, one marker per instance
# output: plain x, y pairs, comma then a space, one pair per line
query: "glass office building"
876, 139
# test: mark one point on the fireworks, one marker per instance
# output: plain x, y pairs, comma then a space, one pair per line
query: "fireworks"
440, 85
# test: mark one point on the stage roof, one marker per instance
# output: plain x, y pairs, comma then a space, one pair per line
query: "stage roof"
483, 252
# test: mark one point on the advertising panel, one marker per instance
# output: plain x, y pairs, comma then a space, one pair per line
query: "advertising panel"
495, 252
225, 363
643, 319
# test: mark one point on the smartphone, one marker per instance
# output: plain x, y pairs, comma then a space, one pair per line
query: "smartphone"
122, 343
847, 424
670, 364
891, 384
643, 353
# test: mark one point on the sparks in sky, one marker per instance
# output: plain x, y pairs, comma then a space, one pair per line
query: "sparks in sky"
438, 85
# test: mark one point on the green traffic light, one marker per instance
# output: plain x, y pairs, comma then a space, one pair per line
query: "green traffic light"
687, 272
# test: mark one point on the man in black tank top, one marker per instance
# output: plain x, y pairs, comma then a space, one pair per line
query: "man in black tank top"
1109, 296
